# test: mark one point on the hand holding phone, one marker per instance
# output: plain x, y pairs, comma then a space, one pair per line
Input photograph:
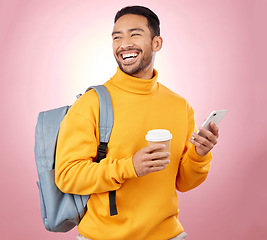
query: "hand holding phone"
203, 146
215, 116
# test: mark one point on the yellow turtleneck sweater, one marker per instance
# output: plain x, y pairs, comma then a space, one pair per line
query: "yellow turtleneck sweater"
148, 205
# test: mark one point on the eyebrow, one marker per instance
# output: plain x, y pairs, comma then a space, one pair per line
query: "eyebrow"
130, 30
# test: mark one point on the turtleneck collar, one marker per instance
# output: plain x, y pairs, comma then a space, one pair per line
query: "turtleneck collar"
133, 84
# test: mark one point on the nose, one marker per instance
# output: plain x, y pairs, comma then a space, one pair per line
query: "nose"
126, 43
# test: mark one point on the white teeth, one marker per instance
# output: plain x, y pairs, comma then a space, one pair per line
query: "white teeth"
129, 55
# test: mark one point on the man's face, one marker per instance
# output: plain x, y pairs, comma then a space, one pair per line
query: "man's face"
133, 46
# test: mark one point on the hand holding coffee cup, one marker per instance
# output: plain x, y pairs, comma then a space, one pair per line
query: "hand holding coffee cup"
155, 157
160, 136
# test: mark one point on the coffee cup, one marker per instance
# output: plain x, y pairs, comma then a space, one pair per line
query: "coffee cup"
161, 136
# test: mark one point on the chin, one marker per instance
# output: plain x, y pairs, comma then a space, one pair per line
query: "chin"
129, 71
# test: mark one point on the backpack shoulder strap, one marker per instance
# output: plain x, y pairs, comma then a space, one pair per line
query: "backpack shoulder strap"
105, 128
106, 112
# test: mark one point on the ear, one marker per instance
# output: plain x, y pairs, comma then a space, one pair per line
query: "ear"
157, 43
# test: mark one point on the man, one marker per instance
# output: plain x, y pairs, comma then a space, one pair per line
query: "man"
144, 179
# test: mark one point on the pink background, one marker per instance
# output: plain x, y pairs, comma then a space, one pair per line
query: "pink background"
214, 55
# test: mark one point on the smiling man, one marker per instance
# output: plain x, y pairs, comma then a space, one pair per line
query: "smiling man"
135, 45
145, 178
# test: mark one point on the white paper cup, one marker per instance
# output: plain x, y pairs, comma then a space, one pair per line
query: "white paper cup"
161, 136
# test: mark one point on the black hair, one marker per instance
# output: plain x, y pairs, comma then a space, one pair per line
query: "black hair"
152, 18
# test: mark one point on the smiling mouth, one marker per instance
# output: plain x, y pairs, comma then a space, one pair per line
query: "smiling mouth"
129, 56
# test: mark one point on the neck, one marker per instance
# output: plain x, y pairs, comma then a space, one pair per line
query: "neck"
134, 84
144, 74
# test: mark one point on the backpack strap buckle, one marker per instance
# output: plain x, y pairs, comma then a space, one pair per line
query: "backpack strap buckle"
102, 151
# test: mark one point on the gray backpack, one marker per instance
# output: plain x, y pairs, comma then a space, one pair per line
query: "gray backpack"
61, 211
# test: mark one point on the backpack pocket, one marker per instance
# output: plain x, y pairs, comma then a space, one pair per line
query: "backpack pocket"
60, 211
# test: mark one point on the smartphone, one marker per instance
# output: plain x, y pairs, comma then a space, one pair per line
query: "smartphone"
215, 116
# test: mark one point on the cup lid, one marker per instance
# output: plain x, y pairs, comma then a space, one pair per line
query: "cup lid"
158, 135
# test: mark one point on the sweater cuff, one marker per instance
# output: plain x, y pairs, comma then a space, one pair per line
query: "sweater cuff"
193, 156
129, 171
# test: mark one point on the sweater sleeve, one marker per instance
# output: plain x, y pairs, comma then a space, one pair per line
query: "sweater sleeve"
76, 171
193, 168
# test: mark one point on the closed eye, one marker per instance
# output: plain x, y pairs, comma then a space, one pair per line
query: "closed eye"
116, 37
135, 34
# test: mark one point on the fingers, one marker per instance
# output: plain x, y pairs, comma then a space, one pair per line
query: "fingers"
203, 145
150, 159
205, 140
158, 156
155, 165
157, 169
214, 129
209, 136
153, 148
201, 140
